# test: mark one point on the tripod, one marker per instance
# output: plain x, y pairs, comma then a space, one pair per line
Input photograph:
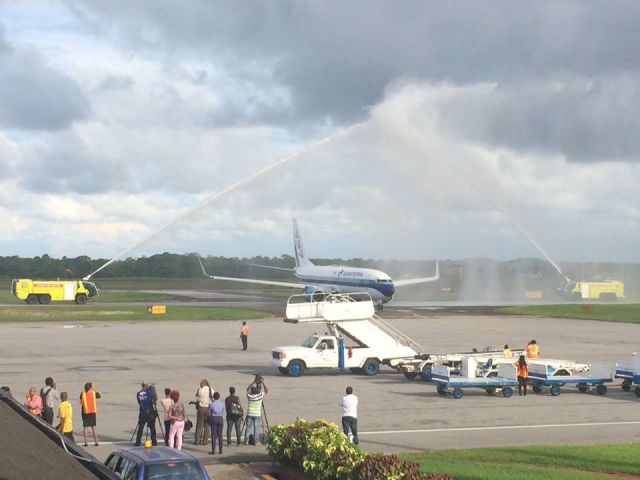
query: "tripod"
264, 422
156, 417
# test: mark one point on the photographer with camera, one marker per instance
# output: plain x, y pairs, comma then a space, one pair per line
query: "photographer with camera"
147, 398
255, 394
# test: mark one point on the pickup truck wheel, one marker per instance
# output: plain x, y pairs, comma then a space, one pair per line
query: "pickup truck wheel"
410, 375
81, 299
458, 393
295, 368
555, 390
283, 371
371, 366
32, 299
44, 299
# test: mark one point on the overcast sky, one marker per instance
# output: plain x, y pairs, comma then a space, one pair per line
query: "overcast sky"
453, 126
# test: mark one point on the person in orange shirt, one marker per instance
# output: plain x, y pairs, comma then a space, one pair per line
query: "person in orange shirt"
244, 335
523, 373
33, 402
89, 401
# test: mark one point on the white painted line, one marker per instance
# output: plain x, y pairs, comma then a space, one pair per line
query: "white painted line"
501, 427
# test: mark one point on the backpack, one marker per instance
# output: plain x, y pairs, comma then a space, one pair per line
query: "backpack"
47, 412
236, 410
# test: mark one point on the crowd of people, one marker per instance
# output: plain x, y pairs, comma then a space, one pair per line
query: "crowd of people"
211, 414
42, 404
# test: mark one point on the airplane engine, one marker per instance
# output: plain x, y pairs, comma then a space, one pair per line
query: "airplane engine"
315, 294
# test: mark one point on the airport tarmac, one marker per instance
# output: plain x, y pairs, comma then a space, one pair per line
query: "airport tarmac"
395, 414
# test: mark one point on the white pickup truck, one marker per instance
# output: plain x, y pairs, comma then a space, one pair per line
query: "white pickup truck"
322, 351
368, 340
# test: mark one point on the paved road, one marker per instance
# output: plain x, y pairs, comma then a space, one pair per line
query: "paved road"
395, 414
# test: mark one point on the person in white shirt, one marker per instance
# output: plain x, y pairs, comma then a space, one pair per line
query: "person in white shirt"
204, 396
349, 404
166, 404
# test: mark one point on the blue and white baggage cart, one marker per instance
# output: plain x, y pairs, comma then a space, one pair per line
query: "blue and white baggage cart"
544, 375
629, 373
454, 384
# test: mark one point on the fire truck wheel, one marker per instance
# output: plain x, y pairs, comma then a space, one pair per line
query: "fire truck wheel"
81, 299
44, 299
32, 299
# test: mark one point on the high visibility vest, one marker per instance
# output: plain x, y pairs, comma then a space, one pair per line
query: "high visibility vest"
88, 401
245, 330
523, 371
533, 351
507, 353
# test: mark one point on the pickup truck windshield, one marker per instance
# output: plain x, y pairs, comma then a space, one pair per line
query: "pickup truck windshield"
310, 342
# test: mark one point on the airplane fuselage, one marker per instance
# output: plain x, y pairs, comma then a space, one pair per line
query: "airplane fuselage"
340, 279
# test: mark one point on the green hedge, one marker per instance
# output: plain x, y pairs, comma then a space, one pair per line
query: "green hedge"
322, 451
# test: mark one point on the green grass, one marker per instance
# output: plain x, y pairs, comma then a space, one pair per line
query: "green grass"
564, 462
91, 313
629, 313
109, 296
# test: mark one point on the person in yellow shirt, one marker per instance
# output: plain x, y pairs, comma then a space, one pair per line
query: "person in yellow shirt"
507, 352
532, 350
65, 412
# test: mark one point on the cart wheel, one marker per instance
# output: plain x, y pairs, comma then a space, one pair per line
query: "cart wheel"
638, 391
626, 384
507, 392
410, 375
457, 393
490, 391
537, 388
555, 390
583, 387
441, 390
425, 375
601, 389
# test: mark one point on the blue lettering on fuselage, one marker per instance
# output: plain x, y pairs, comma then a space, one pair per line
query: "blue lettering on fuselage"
385, 289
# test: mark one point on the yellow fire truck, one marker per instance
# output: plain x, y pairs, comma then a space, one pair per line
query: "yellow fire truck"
47, 291
609, 290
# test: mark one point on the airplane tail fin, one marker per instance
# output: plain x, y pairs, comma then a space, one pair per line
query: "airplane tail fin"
298, 247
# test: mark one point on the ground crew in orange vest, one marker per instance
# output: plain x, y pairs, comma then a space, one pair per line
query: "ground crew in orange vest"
89, 401
244, 335
533, 351
523, 373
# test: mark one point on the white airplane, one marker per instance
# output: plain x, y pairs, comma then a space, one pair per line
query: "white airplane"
319, 280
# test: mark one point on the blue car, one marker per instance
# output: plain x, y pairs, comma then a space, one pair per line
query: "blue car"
156, 463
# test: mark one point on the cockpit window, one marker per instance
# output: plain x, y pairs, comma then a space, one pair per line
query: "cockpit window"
384, 280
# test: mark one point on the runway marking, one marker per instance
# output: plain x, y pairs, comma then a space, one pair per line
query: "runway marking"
500, 427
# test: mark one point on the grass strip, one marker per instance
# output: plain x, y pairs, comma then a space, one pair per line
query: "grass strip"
627, 313
91, 313
555, 462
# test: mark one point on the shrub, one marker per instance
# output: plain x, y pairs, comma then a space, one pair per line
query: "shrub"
321, 450
318, 448
390, 467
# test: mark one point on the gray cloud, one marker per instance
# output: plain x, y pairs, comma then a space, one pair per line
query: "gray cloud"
64, 163
346, 53
36, 96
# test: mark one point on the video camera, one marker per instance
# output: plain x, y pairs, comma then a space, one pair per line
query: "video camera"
258, 381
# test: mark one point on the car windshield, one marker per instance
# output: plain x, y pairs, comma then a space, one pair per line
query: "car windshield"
174, 471
310, 342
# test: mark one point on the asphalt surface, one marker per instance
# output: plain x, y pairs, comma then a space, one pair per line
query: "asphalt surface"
395, 414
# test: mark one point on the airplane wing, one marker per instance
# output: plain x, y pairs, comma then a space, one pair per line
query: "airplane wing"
270, 267
250, 280
415, 281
